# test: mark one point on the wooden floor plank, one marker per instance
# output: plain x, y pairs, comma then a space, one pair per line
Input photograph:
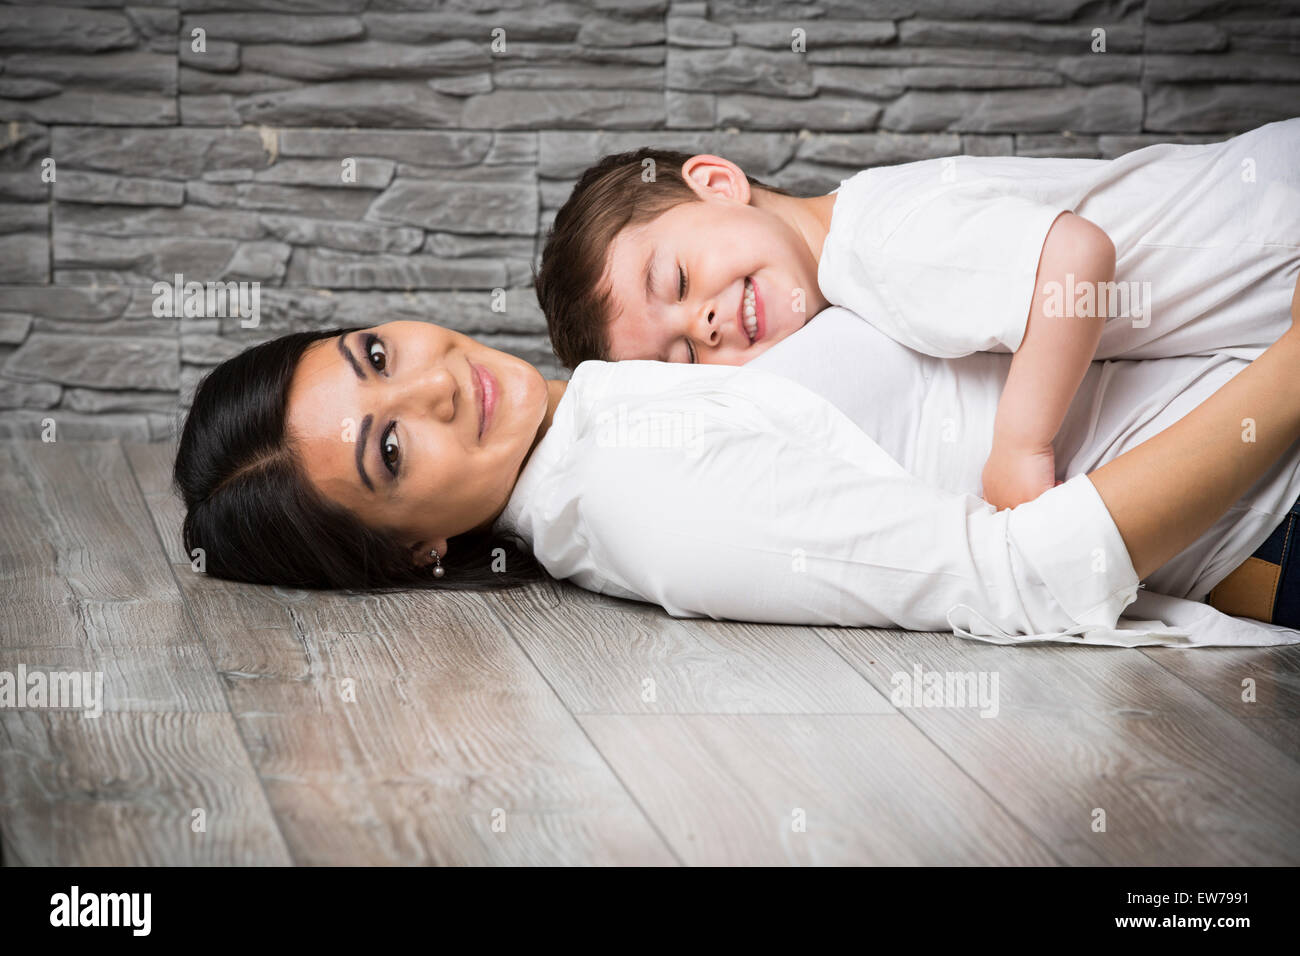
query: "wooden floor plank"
604, 655
121, 790
727, 789
84, 583
396, 729
1261, 685
1081, 729
87, 588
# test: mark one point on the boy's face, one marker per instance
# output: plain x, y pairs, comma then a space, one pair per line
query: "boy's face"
729, 255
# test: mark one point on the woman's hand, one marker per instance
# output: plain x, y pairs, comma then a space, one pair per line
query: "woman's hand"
1014, 474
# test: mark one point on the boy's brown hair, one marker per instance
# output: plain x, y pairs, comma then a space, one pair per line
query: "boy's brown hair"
609, 197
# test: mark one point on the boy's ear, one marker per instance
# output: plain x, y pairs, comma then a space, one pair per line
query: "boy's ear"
712, 177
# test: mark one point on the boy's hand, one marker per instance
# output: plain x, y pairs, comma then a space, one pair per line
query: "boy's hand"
1014, 475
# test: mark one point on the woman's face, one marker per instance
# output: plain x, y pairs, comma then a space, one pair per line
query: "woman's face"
414, 428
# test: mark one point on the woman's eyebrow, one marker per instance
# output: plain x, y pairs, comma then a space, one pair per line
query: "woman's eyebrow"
365, 423
361, 451
347, 354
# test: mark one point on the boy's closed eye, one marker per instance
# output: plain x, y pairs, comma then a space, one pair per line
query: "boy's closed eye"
681, 295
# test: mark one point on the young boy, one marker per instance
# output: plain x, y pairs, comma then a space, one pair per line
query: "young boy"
1166, 251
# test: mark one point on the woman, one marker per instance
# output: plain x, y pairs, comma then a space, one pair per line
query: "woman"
359, 459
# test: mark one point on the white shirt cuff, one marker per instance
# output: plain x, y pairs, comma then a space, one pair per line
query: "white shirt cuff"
1068, 538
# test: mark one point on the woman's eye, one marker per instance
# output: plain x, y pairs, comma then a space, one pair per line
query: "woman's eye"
681, 283
372, 342
390, 435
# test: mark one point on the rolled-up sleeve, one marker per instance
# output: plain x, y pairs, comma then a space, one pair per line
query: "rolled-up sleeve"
762, 526
946, 270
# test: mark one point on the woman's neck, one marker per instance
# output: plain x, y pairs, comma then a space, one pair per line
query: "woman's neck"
554, 392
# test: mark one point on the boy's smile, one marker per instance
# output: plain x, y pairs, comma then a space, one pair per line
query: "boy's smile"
716, 281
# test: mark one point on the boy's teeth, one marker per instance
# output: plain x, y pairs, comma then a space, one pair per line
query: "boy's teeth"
750, 315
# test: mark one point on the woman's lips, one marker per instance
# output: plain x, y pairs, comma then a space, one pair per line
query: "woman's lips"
488, 391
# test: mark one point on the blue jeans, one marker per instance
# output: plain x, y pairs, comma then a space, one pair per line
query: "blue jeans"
1267, 584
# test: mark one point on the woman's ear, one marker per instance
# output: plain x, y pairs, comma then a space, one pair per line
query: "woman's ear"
712, 177
420, 551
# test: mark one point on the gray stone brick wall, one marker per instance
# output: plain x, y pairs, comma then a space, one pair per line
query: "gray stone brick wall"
130, 156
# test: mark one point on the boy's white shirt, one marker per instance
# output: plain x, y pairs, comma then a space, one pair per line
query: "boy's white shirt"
737, 493
942, 254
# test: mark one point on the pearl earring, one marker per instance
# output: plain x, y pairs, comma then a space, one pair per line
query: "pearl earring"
437, 565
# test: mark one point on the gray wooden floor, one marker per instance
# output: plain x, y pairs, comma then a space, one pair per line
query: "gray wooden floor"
553, 726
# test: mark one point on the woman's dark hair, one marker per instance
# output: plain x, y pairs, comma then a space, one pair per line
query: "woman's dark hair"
251, 509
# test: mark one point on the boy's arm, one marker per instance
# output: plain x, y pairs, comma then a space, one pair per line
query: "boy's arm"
1048, 367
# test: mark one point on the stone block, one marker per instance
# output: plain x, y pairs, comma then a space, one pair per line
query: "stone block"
150, 363
157, 27
976, 144
1093, 68
690, 110
817, 34
566, 155
847, 113
299, 200
1184, 37
86, 305
345, 236
602, 31
215, 110
165, 154
264, 261
128, 72
1011, 35
202, 83
466, 207
24, 257
188, 220
1057, 146
372, 104
247, 27
29, 424
17, 88
29, 394
470, 312
331, 270
24, 217
75, 106
366, 58
548, 22
564, 109
55, 28
877, 149
128, 400
75, 186
143, 260
1098, 109
1224, 67
740, 70
1219, 107
699, 32
594, 76
14, 327
217, 56
429, 148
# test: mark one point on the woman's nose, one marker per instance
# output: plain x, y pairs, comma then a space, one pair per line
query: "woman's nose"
433, 391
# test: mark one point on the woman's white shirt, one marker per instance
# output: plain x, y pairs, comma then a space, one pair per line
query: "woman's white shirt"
735, 493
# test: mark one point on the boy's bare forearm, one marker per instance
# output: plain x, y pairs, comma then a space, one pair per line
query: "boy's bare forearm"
1061, 335
1045, 374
